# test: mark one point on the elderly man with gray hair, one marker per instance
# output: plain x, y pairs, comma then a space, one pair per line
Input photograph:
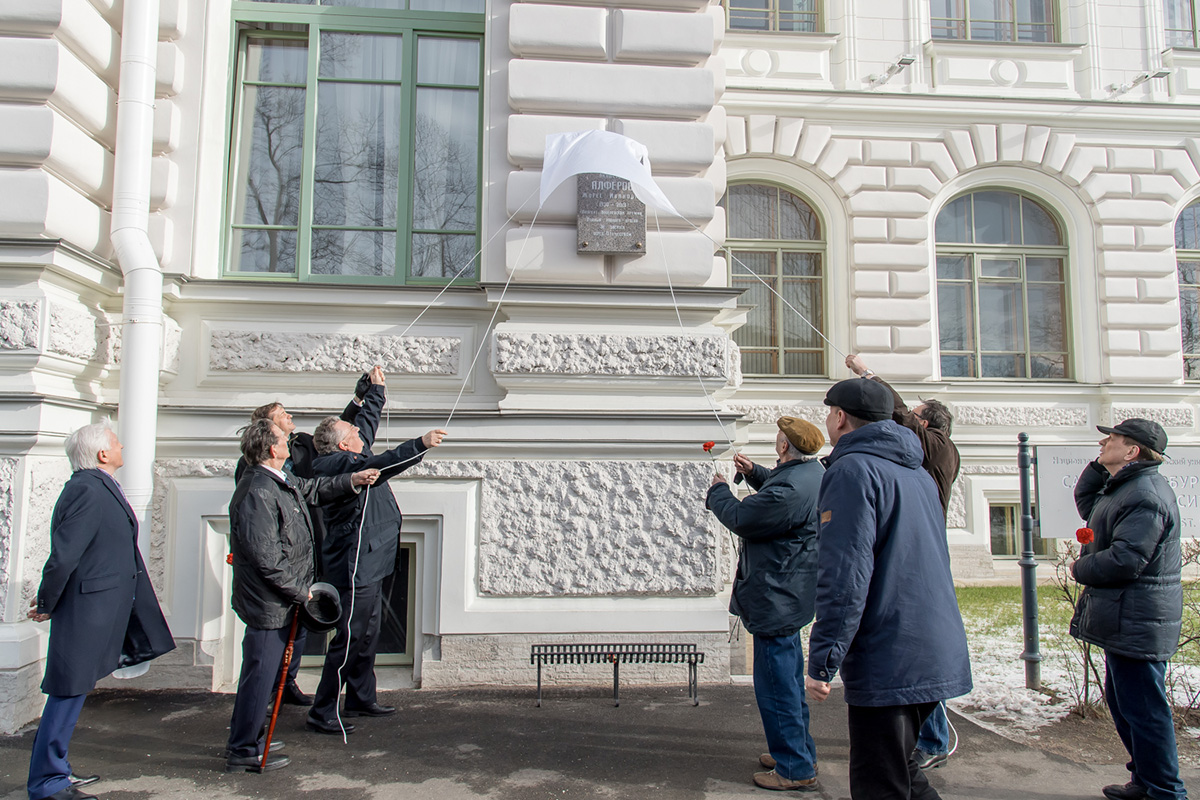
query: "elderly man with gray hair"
359, 552
102, 609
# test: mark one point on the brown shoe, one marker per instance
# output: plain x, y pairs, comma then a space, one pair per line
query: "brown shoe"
772, 780
767, 761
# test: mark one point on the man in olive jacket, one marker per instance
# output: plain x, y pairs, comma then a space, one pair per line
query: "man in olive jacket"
271, 537
1132, 603
773, 591
101, 605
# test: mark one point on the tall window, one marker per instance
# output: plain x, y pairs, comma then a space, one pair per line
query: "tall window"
993, 20
356, 143
1002, 294
776, 236
786, 16
1181, 23
1187, 255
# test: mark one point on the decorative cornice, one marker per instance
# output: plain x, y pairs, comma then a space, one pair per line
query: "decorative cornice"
255, 351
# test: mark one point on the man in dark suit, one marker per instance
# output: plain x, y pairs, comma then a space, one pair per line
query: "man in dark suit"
102, 609
362, 536
271, 538
299, 464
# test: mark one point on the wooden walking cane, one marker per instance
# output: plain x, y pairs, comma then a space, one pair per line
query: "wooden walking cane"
283, 673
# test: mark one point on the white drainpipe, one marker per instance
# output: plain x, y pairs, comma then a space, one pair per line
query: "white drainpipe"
141, 326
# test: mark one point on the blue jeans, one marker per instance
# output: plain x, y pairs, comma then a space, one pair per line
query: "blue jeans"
779, 690
1136, 694
935, 733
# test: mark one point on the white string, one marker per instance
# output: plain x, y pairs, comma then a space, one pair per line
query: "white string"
757, 277
683, 332
337, 705
483, 340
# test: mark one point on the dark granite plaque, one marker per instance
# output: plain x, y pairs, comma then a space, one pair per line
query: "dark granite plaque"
611, 219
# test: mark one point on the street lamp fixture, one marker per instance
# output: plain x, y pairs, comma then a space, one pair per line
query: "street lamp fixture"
1118, 89
895, 68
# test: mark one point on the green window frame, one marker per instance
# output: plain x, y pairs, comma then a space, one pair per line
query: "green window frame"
779, 16
777, 234
1029, 21
1180, 23
355, 152
1187, 261
1004, 531
1002, 289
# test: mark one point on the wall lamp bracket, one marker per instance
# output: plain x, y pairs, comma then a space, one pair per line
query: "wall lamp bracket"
895, 68
1118, 89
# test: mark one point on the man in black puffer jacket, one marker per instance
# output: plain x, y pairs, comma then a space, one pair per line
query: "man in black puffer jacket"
271, 539
1132, 603
774, 589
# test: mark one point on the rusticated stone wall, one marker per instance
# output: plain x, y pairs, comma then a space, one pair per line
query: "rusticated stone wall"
1167, 416
603, 354
589, 528
20, 322
8, 476
249, 351
164, 471
1034, 416
46, 479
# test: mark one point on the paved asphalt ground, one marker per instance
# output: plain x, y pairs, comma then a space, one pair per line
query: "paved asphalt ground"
494, 743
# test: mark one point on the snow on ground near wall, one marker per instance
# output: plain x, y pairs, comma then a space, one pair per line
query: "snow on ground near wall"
999, 676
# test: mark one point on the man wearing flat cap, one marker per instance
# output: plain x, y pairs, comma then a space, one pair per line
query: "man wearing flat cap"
887, 618
773, 591
1132, 601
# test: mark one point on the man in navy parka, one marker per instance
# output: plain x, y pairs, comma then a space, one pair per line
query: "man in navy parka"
887, 619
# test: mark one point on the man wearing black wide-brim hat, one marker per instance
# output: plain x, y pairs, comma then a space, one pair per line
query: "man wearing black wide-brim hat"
1132, 603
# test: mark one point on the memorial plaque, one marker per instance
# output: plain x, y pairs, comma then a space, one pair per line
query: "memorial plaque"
611, 220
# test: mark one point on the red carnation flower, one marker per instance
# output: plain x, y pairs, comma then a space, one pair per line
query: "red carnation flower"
708, 446
229, 558
1085, 535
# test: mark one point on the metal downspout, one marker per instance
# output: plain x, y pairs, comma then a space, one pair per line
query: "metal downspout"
141, 326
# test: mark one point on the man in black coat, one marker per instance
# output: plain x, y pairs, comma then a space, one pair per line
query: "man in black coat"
361, 540
102, 609
270, 533
1132, 603
299, 464
774, 591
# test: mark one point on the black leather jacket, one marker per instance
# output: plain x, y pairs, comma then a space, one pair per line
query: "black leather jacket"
1133, 602
271, 537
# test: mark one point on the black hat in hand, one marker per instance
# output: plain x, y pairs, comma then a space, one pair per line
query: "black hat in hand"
363, 386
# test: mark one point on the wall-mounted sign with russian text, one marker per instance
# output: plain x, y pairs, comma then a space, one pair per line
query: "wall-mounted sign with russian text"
1057, 469
611, 220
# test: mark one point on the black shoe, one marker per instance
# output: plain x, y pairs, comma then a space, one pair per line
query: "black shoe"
929, 760
292, 696
253, 763
70, 793
276, 744
77, 780
372, 710
1130, 791
329, 726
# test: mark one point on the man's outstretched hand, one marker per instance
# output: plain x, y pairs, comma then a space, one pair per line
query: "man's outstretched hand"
366, 477
434, 437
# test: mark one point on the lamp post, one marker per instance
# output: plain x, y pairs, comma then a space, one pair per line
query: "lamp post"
1029, 606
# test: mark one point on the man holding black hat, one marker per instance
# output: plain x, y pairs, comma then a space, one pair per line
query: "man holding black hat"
773, 591
887, 618
1132, 601
271, 538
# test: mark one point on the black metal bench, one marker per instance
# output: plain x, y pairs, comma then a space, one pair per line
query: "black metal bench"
618, 654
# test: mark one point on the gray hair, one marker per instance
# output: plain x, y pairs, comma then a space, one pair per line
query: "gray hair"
84, 445
326, 437
793, 453
257, 441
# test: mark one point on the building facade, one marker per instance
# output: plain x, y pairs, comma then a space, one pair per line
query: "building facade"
996, 213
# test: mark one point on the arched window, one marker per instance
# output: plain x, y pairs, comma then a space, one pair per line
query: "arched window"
777, 236
1187, 260
1002, 293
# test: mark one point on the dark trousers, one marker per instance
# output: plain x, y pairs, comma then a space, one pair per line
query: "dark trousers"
297, 652
882, 740
49, 770
262, 655
1136, 694
779, 690
357, 649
